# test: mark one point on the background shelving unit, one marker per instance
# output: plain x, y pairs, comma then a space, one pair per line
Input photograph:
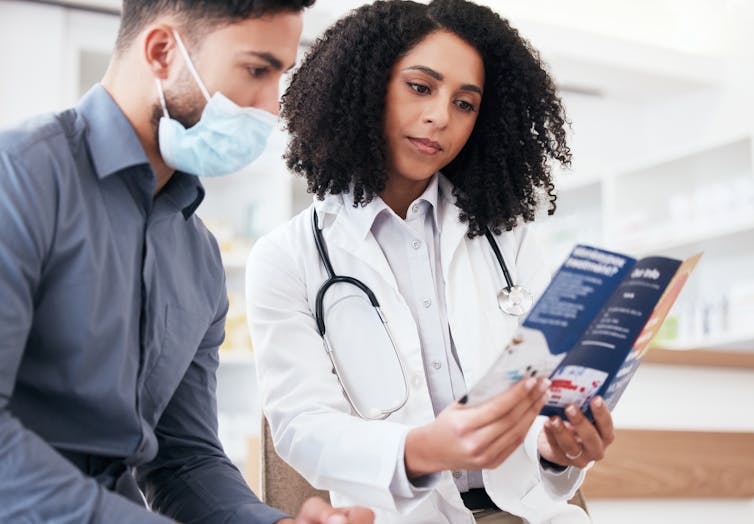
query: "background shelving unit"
700, 200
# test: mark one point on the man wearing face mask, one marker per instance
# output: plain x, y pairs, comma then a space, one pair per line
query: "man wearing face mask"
113, 291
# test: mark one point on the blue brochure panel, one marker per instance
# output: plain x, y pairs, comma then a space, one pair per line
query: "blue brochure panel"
584, 282
602, 352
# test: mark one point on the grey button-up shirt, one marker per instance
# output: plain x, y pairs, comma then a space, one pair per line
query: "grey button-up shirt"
112, 308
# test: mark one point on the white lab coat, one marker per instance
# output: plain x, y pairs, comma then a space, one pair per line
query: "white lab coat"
312, 424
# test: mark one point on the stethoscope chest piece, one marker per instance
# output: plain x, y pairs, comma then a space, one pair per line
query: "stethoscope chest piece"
515, 300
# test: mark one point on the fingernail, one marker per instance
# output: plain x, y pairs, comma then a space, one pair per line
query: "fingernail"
544, 384
555, 422
530, 383
463, 400
598, 402
571, 411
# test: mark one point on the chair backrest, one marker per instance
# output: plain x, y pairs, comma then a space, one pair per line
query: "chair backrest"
282, 487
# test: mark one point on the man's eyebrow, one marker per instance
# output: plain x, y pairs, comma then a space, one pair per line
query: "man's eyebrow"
271, 59
439, 77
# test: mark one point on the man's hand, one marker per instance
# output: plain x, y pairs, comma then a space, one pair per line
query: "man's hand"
476, 437
317, 511
577, 442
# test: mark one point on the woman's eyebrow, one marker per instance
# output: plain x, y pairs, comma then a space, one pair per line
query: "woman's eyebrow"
424, 69
439, 77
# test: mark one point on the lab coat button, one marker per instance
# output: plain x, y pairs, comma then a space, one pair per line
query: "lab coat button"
427, 302
457, 474
436, 364
416, 244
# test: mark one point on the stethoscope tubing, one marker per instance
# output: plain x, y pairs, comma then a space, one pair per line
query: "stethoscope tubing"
500, 260
333, 278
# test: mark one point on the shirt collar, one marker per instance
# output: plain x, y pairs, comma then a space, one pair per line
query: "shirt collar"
185, 191
362, 217
431, 195
113, 144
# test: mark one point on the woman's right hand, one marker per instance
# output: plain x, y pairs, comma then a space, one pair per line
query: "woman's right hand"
476, 437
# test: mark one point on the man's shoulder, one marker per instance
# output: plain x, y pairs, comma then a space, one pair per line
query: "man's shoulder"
40, 138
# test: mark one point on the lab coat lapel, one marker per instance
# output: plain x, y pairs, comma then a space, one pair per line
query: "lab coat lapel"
461, 287
345, 239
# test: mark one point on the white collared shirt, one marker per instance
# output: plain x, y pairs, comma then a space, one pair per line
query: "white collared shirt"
412, 249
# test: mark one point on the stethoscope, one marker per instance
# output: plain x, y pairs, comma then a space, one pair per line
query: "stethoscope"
513, 299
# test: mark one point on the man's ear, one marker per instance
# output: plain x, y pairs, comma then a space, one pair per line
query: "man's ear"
160, 49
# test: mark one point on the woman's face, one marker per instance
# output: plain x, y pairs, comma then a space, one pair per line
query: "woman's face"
432, 103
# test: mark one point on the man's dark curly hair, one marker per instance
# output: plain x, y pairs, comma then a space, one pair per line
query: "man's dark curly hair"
334, 110
199, 16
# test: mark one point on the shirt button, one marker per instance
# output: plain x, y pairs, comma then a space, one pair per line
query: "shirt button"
436, 364
457, 474
415, 208
416, 244
426, 302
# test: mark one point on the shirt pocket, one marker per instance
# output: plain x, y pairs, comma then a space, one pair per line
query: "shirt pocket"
183, 333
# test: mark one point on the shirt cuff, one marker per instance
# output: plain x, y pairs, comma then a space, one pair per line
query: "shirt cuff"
257, 514
401, 486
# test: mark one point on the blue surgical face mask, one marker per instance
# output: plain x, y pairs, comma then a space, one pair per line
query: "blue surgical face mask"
226, 138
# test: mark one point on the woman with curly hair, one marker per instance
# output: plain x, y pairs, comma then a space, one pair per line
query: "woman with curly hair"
426, 133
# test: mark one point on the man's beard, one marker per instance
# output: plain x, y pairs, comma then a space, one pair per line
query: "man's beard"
185, 104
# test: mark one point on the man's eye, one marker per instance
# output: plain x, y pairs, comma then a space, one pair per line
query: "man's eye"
258, 72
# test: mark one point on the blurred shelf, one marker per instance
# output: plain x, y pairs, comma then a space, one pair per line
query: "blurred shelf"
673, 464
738, 234
714, 358
236, 357
574, 182
689, 153
741, 341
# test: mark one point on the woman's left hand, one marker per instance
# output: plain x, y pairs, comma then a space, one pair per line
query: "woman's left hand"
577, 441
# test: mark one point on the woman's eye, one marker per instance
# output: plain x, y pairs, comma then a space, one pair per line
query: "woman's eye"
465, 106
419, 88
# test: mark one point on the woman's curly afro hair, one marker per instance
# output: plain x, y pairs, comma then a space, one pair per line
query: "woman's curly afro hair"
334, 111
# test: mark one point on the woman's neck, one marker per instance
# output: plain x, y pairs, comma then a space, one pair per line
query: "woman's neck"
399, 193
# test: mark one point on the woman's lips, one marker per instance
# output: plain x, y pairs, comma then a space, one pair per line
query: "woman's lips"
425, 146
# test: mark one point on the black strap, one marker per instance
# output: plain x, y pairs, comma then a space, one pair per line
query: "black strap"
477, 498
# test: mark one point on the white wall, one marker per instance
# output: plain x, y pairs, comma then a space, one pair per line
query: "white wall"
29, 65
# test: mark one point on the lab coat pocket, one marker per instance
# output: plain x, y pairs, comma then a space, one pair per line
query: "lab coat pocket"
183, 333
